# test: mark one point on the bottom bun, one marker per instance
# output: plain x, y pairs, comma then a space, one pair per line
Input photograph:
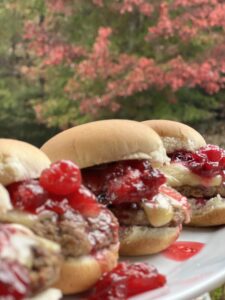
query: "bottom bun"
78, 275
143, 240
211, 214
215, 217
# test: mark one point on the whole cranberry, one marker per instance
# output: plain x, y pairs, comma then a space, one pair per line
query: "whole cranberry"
62, 178
27, 195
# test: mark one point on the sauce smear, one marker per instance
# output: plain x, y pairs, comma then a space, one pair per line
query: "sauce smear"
127, 280
181, 251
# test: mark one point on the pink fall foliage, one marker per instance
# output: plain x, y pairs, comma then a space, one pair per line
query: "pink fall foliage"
125, 74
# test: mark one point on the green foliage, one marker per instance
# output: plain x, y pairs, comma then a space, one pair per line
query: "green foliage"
188, 105
17, 118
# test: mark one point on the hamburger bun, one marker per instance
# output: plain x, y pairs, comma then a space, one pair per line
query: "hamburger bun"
78, 275
20, 161
143, 240
214, 217
106, 141
211, 214
176, 135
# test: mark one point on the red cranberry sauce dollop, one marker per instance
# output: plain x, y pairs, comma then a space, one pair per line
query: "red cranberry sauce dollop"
208, 161
127, 280
123, 181
58, 189
14, 281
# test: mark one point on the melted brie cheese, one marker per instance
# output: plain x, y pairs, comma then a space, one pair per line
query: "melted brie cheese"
50, 294
179, 175
5, 203
159, 212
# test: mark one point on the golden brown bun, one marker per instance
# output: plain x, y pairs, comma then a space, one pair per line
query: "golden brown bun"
143, 240
78, 275
20, 161
106, 141
214, 217
211, 214
176, 135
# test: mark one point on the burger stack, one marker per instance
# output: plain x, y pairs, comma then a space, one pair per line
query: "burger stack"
196, 170
53, 203
96, 190
118, 161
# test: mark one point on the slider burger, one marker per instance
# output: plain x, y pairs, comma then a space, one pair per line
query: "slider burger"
28, 265
196, 170
54, 204
118, 159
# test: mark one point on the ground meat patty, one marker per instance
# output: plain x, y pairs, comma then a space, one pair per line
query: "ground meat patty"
136, 216
44, 269
78, 235
201, 191
130, 216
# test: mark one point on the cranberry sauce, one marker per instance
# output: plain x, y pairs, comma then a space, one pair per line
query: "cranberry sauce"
14, 278
181, 251
208, 161
123, 181
59, 189
127, 280
14, 281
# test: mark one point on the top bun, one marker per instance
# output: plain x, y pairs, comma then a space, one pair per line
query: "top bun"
20, 161
176, 135
106, 141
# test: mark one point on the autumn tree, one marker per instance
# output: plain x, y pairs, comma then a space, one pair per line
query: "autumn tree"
134, 59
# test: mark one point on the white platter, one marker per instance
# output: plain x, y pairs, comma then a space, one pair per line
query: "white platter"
201, 273
191, 278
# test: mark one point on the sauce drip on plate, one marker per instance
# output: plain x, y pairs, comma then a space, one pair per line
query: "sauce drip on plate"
181, 251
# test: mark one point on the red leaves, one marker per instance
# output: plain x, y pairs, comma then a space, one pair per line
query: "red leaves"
59, 6
98, 62
198, 15
141, 5
108, 72
129, 6
164, 27
206, 75
48, 46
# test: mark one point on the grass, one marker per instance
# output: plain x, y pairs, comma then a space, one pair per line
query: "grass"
218, 294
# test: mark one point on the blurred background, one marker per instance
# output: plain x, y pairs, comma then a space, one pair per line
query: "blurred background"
67, 62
